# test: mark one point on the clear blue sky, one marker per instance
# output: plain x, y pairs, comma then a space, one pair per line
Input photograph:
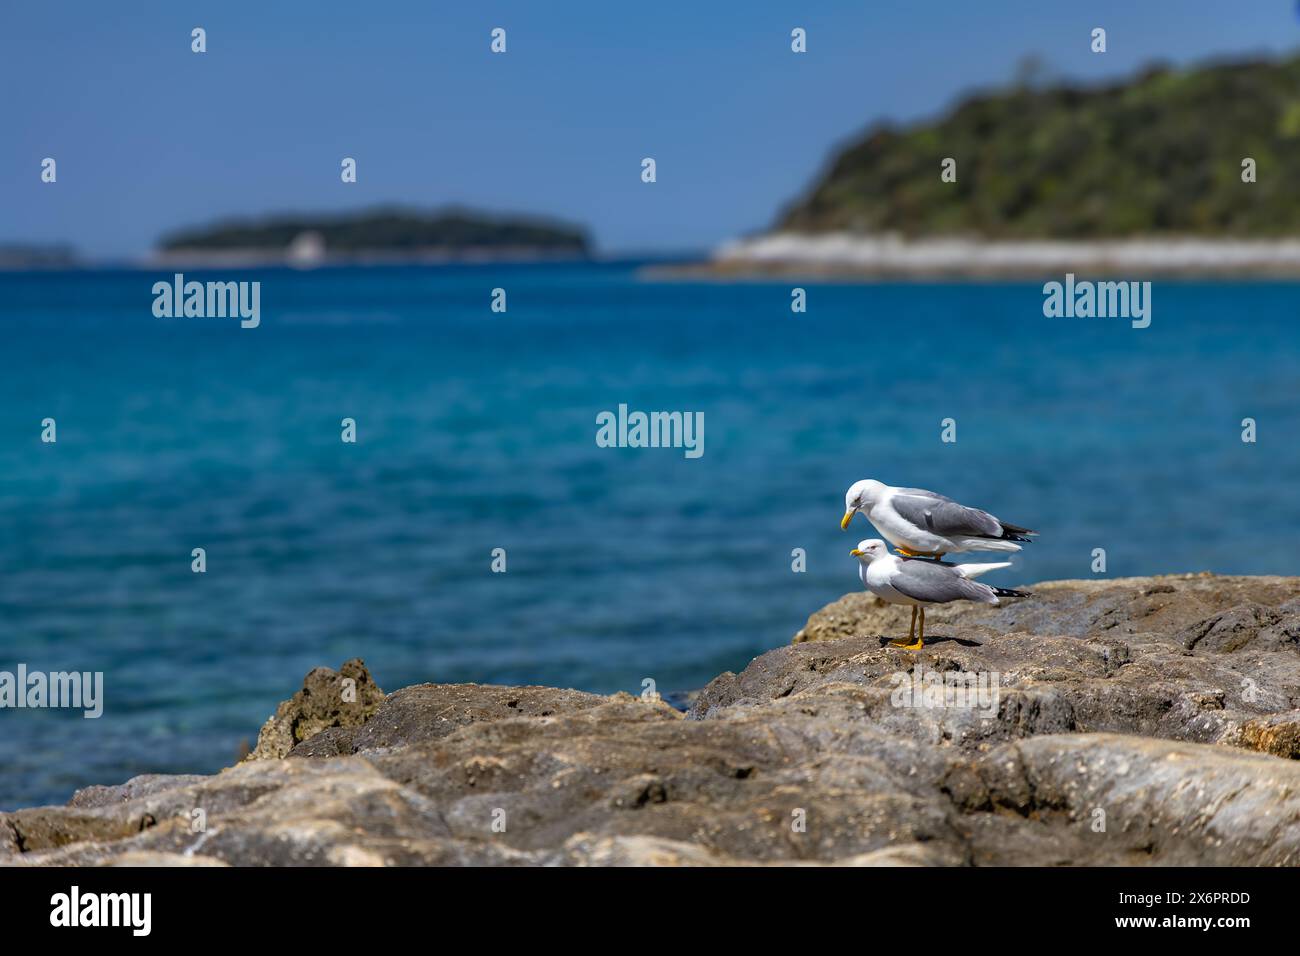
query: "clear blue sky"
149, 136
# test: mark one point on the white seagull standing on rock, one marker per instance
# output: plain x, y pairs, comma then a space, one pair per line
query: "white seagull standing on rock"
923, 523
919, 583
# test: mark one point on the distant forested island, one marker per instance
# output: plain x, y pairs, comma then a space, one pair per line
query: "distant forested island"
22, 256
1162, 154
383, 234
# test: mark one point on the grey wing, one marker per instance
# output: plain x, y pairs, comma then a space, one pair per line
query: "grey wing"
922, 493
938, 584
943, 515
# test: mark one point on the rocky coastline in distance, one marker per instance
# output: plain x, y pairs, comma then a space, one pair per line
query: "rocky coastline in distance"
849, 256
1137, 721
1044, 177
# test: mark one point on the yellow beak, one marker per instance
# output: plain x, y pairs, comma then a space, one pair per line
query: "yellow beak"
844, 522
855, 552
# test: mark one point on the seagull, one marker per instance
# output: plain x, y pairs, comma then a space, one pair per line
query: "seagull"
918, 583
923, 523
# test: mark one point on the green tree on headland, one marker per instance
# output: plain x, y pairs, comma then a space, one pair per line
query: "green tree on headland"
1158, 155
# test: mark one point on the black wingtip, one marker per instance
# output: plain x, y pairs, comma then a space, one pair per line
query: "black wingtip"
1010, 530
1009, 592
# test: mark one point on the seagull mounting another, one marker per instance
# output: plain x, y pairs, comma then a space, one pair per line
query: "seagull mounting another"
920, 583
923, 523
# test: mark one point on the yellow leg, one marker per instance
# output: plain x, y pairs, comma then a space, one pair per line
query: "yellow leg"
913, 645
937, 555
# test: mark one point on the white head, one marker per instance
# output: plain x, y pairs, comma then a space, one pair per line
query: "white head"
861, 495
869, 550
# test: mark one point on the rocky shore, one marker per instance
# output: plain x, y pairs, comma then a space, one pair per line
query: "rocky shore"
848, 256
1131, 721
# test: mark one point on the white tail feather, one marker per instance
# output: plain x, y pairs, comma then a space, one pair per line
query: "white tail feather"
987, 544
975, 570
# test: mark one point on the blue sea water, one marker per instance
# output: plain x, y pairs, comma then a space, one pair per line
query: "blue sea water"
477, 431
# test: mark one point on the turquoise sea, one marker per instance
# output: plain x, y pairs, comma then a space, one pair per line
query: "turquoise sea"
476, 430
